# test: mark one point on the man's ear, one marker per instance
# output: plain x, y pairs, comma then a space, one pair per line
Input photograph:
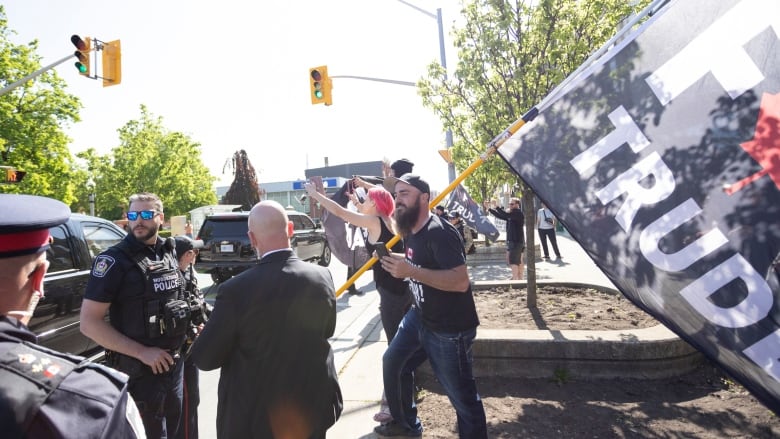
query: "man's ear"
290, 229
252, 239
37, 276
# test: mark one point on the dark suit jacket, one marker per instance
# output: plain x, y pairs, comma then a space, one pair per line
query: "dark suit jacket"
269, 333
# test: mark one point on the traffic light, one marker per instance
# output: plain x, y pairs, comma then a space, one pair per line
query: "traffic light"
320, 85
112, 63
84, 47
12, 175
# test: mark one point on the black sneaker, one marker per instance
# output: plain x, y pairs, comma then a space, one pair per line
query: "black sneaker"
393, 429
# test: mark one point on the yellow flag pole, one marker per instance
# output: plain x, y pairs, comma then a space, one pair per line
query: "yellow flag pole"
492, 148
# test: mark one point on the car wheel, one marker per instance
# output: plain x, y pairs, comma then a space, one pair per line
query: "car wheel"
325, 257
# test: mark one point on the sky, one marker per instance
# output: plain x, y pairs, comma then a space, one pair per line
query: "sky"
234, 75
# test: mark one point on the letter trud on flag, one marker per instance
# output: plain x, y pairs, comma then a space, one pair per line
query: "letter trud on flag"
663, 156
460, 201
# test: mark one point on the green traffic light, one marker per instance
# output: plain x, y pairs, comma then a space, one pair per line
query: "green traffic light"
318, 94
82, 68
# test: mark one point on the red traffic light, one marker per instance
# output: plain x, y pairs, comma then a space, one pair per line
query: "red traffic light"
78, 42
316, 75
82, 54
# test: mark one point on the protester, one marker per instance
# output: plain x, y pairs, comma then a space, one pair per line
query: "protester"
139, 284
464, 230
45, 393
515, 237
441, 324
188, 229
545, 225
186, 252
269, 334
441, 211
374, 215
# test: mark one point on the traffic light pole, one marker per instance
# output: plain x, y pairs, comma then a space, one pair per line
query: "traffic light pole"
34, 75
367, 78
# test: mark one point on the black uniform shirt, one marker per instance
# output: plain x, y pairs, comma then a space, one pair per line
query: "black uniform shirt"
84, 399
117, 279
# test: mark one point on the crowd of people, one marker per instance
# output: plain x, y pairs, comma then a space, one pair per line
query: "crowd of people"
269, 328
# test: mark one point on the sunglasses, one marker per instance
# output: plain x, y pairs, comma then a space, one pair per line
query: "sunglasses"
145, 214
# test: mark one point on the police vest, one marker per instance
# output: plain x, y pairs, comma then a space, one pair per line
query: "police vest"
165, 313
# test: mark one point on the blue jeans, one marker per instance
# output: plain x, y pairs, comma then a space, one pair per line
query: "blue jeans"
451, 359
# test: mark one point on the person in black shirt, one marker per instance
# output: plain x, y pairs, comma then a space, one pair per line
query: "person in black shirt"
45, 393
139, 284
515, 237
441, 324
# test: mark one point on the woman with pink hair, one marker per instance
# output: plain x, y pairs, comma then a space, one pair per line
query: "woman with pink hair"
375, 215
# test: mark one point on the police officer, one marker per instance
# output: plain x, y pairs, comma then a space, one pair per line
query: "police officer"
44, 393
186, 252
138, 282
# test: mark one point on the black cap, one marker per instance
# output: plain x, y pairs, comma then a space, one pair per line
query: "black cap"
25, 221
410, 179
401, 167
185, 243
454, 215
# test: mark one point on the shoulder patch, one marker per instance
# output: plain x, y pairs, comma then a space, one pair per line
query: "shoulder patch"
103, 263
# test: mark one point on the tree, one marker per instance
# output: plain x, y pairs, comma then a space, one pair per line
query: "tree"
244, 190
31, 122
511, 55
151, 158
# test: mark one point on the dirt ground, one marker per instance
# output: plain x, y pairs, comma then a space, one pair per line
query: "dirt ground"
703, 404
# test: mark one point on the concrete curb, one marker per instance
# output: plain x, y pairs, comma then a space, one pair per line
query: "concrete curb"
647, 353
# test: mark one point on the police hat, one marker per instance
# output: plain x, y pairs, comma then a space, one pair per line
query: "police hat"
185, 243
25, 221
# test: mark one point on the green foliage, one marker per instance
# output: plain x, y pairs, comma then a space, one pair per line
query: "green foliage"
511, 55
153, 159
31, 122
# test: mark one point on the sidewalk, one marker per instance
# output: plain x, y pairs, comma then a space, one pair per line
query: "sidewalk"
359, 341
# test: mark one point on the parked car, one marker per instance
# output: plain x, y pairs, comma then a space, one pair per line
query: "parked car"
227, 251
75, 245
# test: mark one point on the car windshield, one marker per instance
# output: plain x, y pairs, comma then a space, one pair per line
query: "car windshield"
222, 228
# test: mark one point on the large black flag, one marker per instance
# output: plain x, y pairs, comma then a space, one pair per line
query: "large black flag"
662, 160
460, 201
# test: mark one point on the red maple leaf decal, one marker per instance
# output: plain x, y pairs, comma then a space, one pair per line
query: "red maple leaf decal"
764, 147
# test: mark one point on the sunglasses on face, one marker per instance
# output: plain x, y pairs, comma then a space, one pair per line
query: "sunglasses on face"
145, 214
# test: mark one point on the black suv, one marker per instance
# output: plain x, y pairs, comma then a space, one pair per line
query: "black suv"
227, 251
76, 244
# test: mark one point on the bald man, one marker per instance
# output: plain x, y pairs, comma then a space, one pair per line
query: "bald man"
269, 334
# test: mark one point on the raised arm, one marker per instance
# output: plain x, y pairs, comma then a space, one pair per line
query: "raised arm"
355, 218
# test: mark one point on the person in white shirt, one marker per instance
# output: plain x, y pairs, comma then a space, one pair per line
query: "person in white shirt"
545, 225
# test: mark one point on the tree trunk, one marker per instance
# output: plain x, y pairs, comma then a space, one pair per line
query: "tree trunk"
530, 244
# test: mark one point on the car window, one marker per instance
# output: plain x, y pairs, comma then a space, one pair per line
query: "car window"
307, 222
297, 222
221, 229
99, 238
59, 254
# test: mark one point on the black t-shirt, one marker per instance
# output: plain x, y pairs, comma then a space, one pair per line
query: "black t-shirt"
438, 246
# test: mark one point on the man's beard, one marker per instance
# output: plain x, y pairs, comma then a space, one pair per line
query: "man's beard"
151, 231
406, 217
